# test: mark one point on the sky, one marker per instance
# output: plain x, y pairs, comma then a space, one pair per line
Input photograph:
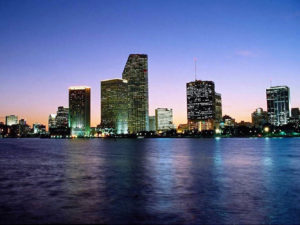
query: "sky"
243, 46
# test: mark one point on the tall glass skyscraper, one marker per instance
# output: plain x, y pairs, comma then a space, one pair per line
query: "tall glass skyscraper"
136, 73
278, 103
114, 105
201, 104
79, 110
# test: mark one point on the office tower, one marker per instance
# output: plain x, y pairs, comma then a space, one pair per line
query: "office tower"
114, 105
11, 120
218, 108
79, 110
152, 123
136, 73
201, 105
52, 121
295, 113
164, 119
278, 103
259, 117
62, 117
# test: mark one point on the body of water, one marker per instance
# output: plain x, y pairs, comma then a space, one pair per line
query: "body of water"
165, 181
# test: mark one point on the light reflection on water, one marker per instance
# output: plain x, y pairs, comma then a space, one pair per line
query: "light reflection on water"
186, 181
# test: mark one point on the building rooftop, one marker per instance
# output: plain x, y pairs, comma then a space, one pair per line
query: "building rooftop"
78, 87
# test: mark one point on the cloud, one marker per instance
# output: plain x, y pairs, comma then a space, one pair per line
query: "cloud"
245, 53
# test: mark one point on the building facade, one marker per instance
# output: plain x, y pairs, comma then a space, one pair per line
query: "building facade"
295, 113
218, 108
259, 118
136, 73
152, 123
114, 105
11, 120
62, 117
278, 103
79, 110
164, 119
201, 105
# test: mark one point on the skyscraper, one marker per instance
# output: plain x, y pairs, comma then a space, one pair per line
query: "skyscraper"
164, 119
114, 105
136, 73
62, 117
201, 105
152, 123
79, 110
11, 120
218, 108
278, 103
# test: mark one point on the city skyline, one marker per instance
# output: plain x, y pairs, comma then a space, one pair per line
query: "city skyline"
261, 47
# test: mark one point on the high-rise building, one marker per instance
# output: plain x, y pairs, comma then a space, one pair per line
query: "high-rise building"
218, 108
39, 128
62, 117
295, 113
136, 73
114, 105
11, 120
201, 105
79, 110
52, 121
164, 119
152, 123
259, 117
278, 103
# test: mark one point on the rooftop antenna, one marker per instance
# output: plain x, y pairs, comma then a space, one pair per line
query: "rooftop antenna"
195, 60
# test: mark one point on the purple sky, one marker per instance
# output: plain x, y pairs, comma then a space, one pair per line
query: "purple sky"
47, 46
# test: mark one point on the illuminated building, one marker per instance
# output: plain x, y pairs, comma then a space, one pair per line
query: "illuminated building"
39, 128
201, 105
218, 109
278, 103
114, 105
62, 117
152, 123
136, 73
259, 118
11, 120
79, 110
52, 121
228, 121
164, 119
182, 128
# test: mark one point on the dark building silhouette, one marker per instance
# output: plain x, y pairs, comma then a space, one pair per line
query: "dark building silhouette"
201, 105
259, 118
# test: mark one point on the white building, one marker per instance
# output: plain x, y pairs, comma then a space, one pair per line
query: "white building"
164, 119
11, 120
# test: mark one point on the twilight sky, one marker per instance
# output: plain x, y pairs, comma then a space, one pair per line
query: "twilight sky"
47, 46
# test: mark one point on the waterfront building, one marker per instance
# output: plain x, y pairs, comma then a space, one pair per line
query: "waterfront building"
182, 128
259, 118
218, 108
164, 119
295, 113
39, 128
114, 105
278, 103
152, 123
136, 73
11, 120
79, 110
228, 121
62, 117
52, 121
23, 129
201, 105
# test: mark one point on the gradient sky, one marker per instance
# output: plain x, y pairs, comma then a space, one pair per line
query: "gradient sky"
47, 46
